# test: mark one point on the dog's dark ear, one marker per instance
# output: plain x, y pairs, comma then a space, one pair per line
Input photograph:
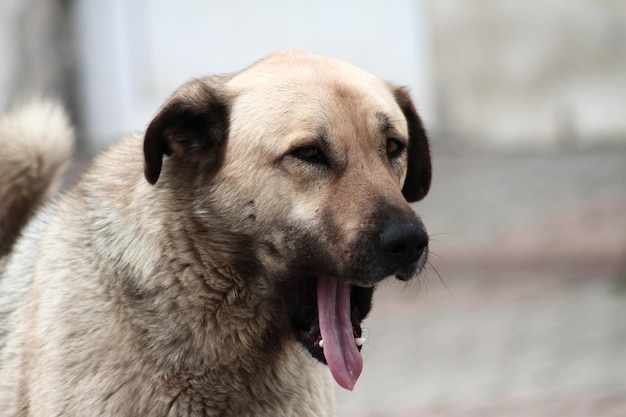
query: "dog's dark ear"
191, 126
419, 173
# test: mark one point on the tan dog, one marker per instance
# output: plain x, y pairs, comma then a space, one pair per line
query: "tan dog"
236, 277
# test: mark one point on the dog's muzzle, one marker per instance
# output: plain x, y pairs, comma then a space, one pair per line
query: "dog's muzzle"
328, 305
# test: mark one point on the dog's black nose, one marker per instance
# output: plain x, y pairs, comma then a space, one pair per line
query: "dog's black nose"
403, 243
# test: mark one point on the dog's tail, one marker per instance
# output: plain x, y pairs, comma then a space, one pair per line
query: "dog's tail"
36, 142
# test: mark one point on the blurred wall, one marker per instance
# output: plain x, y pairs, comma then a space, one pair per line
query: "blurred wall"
530, 73
36, 50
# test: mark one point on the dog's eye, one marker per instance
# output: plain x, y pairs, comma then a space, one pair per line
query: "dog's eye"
394, 148
310, 154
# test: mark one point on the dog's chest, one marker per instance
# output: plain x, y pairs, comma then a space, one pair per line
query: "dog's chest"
249, 399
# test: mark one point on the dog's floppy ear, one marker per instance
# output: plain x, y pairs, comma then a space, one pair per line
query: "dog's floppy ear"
191, 126
418, 177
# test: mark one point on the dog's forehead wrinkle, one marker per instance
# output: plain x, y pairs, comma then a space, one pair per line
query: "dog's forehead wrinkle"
318, 114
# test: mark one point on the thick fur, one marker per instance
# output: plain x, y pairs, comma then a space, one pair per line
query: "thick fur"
160, 285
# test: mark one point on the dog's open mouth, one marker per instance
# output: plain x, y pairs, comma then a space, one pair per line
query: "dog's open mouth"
326, 318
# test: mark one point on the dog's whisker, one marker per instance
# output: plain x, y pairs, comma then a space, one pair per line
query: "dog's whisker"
441, 258
432, 238
442, 281
444, 234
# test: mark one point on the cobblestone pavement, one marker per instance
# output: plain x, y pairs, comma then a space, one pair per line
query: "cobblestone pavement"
529, 316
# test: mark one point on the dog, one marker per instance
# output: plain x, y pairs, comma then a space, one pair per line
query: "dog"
220, 263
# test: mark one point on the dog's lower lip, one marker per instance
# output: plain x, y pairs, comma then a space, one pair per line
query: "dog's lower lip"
402, 277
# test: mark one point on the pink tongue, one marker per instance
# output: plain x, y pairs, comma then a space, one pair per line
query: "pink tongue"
342, 355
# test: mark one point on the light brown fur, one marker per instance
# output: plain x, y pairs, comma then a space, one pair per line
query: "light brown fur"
169, 297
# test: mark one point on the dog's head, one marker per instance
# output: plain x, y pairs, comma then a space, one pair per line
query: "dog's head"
313, 162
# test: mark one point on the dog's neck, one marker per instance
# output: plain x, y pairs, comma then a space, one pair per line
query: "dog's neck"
224, 344
225, 339
216, 316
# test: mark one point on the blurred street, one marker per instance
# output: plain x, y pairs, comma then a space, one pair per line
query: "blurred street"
527, 313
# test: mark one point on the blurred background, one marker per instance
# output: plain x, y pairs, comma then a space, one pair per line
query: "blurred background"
522, 311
